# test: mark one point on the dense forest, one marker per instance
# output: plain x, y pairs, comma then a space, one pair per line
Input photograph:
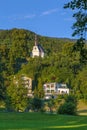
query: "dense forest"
63, 62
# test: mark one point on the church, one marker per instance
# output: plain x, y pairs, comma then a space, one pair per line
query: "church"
37, 51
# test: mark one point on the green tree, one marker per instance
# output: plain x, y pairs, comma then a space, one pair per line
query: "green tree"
81, 84
19, 51
80, 26
37, 104
2, 88
40, 89
52, 105
69, 106
17, 98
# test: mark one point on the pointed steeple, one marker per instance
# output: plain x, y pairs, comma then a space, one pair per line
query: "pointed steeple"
37, 49
35, 40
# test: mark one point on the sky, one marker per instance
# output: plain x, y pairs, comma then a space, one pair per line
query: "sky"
44, 17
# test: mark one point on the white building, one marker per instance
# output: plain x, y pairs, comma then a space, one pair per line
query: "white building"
54, 89
62, 89
27, 82
49, 89
37, 49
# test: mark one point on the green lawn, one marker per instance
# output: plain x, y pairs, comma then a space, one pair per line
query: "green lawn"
40, 121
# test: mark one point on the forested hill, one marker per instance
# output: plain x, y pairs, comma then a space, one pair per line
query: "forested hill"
7, 37
16, 45
62, 62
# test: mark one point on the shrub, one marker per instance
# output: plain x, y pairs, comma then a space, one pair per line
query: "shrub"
71, 98
67, 108
37, 104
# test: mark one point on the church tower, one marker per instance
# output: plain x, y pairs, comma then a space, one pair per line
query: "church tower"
35, 40
37, 49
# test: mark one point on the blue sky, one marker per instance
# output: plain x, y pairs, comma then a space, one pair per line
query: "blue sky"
45, 17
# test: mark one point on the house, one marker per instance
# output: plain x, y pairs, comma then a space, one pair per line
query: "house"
37, 51
62, 89
26, 82
54, 89
49, 89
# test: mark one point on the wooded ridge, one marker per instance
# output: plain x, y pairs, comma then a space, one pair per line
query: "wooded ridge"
62, 62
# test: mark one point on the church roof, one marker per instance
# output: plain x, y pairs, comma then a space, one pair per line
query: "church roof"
40, 48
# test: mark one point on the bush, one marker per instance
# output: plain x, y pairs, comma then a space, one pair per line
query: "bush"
37, 104
71, 98
67, 108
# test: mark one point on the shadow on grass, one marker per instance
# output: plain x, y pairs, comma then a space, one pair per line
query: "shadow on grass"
83, 111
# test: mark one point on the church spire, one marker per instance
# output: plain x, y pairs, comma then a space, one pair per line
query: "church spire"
35, 40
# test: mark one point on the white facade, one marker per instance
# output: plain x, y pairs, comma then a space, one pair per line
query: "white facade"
37, 50
62, 89
55, 89
27, 82
49, 88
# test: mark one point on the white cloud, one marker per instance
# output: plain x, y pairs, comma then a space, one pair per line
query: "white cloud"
29, 16
49, 11
21, 17
68, 19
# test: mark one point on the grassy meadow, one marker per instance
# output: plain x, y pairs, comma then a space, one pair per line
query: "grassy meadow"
41, 121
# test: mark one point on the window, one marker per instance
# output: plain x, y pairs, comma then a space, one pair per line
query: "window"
58, 91
52, 85
48, 91
35, 48
62, 92
48, 86
52, 91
